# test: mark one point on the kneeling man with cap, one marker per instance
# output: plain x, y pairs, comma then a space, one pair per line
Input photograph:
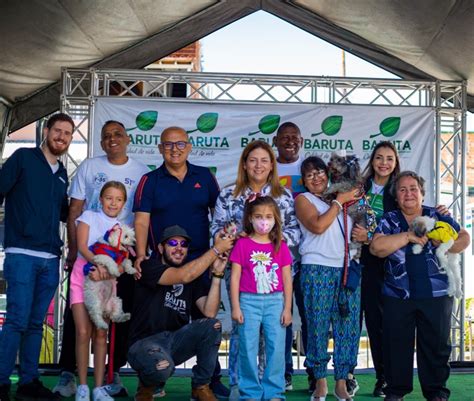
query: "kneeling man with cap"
161, 333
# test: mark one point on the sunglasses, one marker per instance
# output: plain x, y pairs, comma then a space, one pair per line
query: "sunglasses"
174, 243
181, 145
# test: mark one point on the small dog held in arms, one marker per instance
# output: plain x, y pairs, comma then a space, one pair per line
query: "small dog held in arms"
112, 252
449, 262
345, 175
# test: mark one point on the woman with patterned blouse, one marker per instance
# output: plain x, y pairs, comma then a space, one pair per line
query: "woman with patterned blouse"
415, 297
257, 175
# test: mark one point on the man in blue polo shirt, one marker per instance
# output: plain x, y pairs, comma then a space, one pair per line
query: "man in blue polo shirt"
177, 193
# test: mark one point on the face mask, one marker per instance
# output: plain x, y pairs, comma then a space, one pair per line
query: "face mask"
263, 226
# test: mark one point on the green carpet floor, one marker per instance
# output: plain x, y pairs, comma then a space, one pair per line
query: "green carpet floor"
178, 388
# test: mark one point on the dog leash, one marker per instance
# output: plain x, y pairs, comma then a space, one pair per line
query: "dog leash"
110, 370
346, 239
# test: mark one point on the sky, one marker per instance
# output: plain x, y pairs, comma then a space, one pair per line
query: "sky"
264, 44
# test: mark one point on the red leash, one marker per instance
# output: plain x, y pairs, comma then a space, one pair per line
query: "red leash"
346, 241
110, 370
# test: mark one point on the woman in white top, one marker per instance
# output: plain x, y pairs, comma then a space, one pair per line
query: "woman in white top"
322, 259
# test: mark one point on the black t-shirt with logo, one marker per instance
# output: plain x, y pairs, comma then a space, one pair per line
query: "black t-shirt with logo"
159, 308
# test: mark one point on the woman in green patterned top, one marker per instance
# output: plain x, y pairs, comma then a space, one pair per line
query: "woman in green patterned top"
383, 166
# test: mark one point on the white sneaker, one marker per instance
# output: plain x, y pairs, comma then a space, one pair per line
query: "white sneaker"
83, 393
100, 394
66, 386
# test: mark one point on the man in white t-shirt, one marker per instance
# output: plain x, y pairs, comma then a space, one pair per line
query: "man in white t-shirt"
91, 175
288, 142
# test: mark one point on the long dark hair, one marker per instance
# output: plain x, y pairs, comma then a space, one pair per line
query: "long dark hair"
276, 232
369, 172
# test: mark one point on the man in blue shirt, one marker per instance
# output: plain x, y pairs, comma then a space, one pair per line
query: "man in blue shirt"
33, 183
177, 193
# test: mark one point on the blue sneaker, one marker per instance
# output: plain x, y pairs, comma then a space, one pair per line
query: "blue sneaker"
116, 388
219, 390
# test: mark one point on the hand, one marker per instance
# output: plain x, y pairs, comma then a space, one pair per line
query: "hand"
99, 273
138, 267
359, 234
286, 317
443, 210
218, 266
412, 238
237, 315
70, 260
223, 244
349, 196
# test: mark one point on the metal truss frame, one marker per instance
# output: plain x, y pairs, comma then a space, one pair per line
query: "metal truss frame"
80, 87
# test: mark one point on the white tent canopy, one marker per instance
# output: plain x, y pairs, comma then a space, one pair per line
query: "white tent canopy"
426, 39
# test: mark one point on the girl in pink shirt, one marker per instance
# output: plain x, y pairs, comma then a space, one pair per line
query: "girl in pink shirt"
261, 294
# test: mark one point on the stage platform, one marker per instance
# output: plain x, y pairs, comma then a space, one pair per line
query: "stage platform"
179, 388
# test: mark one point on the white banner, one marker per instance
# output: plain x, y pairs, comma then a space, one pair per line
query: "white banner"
219, 131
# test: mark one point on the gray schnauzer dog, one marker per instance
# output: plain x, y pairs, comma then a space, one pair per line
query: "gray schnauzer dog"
345, 175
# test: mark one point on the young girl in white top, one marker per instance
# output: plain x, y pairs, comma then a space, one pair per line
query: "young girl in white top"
261, 293
90, 227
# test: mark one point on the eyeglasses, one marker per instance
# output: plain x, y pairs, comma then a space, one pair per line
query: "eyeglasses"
314, 174
174, 243
181, 145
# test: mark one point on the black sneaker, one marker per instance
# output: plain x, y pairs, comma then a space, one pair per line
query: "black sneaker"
311, 384
35, 391
379, 389
4, 392
393, 398
288, 382
219, 390
352, 385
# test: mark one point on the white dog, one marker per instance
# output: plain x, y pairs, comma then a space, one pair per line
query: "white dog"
448, 262
111, 251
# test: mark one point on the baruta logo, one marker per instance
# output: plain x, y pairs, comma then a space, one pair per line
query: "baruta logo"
144, 121
267, 125
388, 128
205, 124
330, 126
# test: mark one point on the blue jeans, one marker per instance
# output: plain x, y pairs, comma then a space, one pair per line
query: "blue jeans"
200, 338
261, 310
31, 284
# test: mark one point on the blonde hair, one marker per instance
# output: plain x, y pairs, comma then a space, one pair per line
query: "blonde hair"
242, 181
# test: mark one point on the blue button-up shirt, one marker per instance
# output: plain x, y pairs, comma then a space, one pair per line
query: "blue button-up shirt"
409, 276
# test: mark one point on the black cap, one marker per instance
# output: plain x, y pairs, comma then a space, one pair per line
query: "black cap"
174, 231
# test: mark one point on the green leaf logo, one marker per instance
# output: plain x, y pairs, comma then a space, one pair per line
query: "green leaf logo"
267, 124
213, 170
205, 123
388, 127
330, 126
151, 166
145, 121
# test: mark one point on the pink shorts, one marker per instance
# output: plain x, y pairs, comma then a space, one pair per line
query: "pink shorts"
76, 285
